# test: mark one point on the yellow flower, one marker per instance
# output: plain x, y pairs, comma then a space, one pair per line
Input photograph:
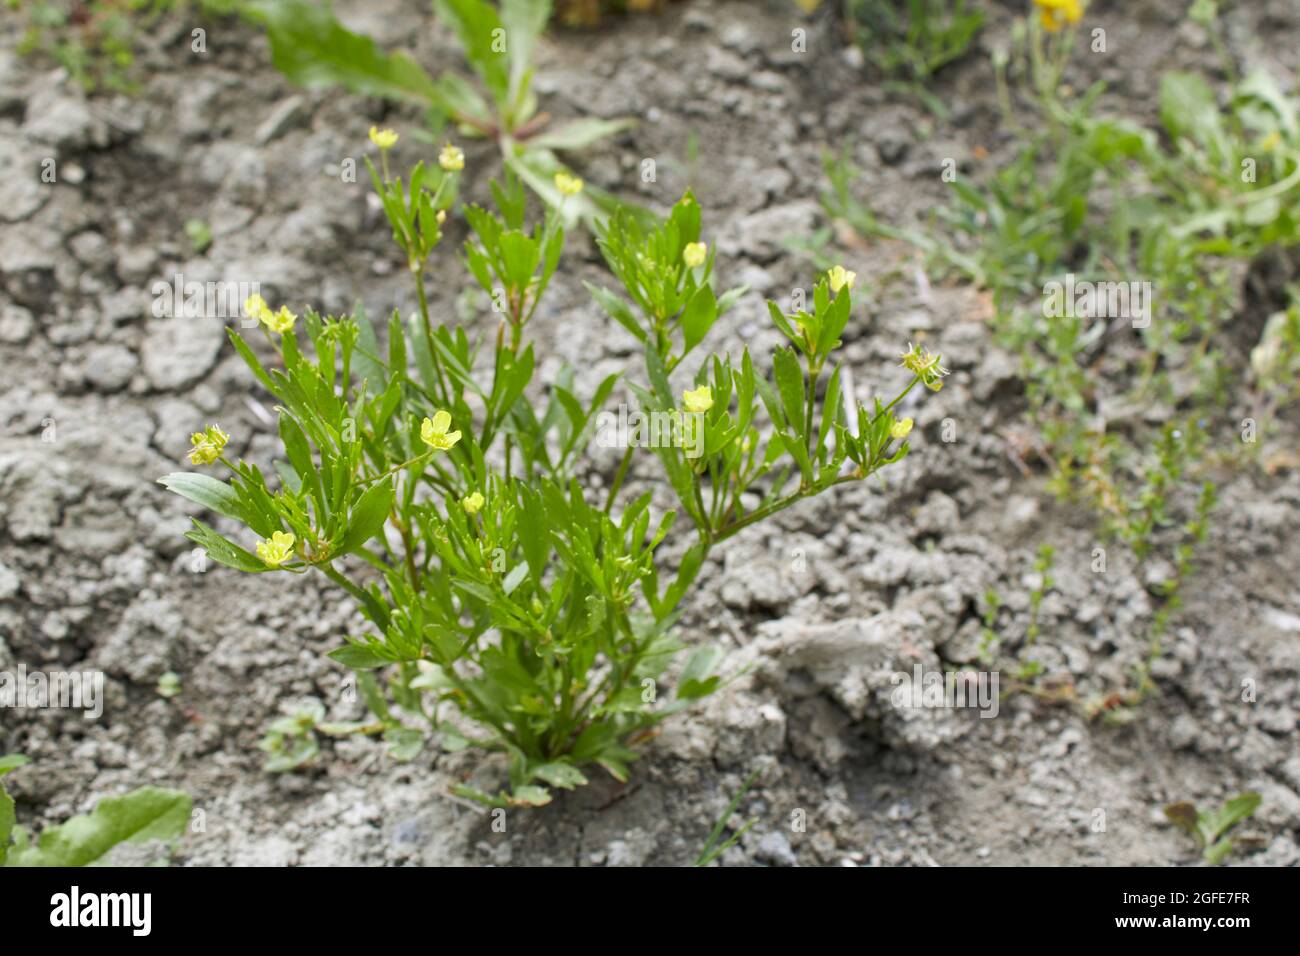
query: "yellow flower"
383, 138
207, 445
451, 158
1055, 14
433, 432
694, 254
840, 277
901, 429
441, 217
280, 321
472, 503
925, 365
276, 549
255, 307
568, 185
698, 401
1271, 142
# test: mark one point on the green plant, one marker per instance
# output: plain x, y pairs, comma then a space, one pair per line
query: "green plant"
149, 813
1150, 219
311, 47
715, 846
511, 611
168, 686
96, 40
916, 38
1043, 563
990, 640
1209, 829
200, 235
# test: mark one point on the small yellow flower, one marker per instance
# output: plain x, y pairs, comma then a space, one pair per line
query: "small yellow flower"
208, 445
451, 158
433, 432
840, 277
925, 365
255, 307
280, 321
568, 185
441, 217
383, 138
1055, 14
1271, 142
698, 401
901, 429
694, 254
472, 503
276, 549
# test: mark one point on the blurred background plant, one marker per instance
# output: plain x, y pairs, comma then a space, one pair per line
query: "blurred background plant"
1125, 408
96, 40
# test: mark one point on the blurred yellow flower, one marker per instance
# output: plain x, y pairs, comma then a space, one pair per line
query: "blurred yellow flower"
255, 307
208, 445
433, 432
280, 321
472, 503
451, 158
901, 429
276, 549
694, 254
840, 277
699, 400
1055, 14
383, 138
568, 185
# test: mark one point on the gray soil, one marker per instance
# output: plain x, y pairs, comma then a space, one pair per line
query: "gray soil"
824, 604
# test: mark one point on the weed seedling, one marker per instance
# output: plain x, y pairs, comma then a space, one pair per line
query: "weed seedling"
1209, 829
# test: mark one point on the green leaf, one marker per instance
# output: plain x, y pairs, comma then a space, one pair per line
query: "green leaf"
359, 656
533, 532
1234, 811
617, 309
149, 813
1215, 853
476, 24
1188, 106
223, 551
701, 312
698, 679
7, 820
211, 493
311, 48
404, 743
658, 375
11, 762
790, 385
529, 796
478, 796
579, 134
368, 515
559, 774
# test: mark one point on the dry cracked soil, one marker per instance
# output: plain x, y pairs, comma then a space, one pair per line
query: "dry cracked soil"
821, 605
